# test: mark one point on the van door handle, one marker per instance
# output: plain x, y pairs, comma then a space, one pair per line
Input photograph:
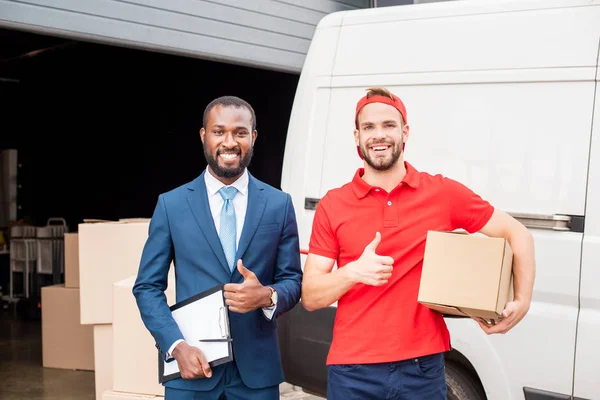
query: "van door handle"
310, 203
555, 222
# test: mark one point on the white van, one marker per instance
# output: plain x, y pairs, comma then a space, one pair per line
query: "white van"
501, 96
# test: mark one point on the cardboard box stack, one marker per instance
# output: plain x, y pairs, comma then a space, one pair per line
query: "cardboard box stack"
66, 344
71, 260
103, 354
135, 358
466, 275
110, 251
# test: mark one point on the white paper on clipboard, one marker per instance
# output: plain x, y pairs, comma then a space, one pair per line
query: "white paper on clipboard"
201, 317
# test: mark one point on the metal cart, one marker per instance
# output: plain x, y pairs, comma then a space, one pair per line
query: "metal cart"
36, 251
23, 256
51, 248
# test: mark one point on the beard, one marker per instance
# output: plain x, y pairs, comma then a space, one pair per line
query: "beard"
232, 172
381, 163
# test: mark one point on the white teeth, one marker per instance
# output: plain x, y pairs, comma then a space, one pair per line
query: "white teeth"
376, 148
228, 156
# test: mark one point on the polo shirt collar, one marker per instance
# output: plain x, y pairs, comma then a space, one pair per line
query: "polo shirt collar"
362, 188
412, 177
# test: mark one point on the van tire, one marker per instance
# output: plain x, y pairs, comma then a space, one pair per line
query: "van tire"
461, 385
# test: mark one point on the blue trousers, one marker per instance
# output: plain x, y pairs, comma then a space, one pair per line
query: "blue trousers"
231, 387
420, 378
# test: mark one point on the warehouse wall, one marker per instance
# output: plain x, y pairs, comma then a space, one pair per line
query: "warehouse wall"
272, 34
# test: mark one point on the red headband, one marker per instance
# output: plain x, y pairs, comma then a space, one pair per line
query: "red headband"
396, 103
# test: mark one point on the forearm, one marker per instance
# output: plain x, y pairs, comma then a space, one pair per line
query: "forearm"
522, 245
156, 314
322, 290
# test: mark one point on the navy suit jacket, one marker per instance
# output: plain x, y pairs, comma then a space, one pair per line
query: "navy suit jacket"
182, 230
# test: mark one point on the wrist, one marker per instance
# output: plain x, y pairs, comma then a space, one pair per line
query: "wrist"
524, 300
348, 273
267, 297
178, 348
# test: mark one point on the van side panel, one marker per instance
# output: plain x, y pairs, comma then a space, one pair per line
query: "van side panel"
587, 358
414, 39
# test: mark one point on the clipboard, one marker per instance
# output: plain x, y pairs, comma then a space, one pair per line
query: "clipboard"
204, 322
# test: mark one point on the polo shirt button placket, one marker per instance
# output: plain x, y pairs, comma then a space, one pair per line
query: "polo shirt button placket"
390, 215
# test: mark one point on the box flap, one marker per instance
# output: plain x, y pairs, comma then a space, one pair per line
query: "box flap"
490, 316
446, 310
119, 221
128, 220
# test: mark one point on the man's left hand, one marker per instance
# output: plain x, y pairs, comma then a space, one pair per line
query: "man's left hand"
247, 296
512, 314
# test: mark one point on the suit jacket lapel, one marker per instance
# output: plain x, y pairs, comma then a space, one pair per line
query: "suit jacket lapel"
254, 213
198, 202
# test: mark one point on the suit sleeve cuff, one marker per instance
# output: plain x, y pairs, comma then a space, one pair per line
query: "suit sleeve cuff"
269, 311
169, 354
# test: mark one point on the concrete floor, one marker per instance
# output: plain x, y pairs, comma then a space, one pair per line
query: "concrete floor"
21, 371
23, 376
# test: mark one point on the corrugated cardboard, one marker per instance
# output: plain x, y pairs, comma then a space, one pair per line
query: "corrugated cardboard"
466, 275
135, 367
108, 252
72, 260
66, 344
103, 354
115, 395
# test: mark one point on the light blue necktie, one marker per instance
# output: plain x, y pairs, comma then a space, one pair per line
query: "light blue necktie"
227, 232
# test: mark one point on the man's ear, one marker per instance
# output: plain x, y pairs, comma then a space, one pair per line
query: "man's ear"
202, 133
405, 133
254, 136
356, 136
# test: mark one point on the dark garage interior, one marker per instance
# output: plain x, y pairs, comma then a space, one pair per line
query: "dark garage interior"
102, 130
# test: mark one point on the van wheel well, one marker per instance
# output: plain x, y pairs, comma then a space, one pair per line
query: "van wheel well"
457, 359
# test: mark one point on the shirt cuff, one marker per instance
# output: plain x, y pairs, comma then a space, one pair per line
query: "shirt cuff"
269, 311
168, 356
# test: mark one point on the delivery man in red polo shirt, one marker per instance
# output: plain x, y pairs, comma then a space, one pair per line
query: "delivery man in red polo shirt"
385, 344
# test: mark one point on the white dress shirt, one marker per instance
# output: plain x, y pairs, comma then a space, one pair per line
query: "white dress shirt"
240, 203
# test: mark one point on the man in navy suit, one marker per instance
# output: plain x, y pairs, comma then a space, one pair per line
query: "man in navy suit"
224, 227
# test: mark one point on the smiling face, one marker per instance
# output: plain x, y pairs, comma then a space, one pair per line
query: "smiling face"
228, 141
380, 135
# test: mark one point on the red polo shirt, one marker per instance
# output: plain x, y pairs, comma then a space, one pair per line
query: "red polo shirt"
386, 323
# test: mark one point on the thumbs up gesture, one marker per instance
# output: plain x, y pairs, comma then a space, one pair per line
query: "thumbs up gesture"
246, 273
371, 268
247, 296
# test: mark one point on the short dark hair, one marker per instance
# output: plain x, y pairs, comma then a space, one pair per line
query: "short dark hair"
229, 101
